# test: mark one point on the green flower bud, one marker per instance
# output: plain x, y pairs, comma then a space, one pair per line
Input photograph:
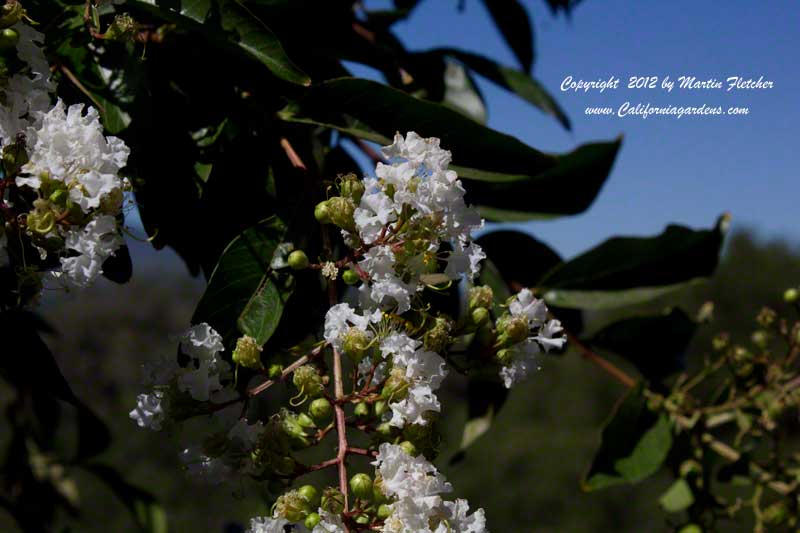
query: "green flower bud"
11, 13
384, 512
691, 528
355, 343
123, 28
760, 338
361, 410
513, 329
247, 353
320, 410
310, 493
275, 370
480, 316
322, 213
9, 38
291, 425
790, 296
409, 448
305, 421
396, 387
385, 429
332, 500
298, 260
312, 520
291, 506
350, 277
505, 356
351, 187
361, 486
480, 296
437, 338
380, 407
341, 212
307, 380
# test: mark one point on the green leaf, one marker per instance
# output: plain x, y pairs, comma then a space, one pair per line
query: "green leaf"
627, 270
632, 338
635, 443
147, 513
506, 176
511, 18
485, 396
244, 295
678, 497
241, 28
511, 80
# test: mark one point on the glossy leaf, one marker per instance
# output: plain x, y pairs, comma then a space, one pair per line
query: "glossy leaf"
507, 179
635, 443
511, 18
627, 270
148, 514
633, 339
244, 295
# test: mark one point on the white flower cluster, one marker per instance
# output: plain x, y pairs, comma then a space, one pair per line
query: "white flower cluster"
425, 201
329, 523
542, 334
72, 167
415, 486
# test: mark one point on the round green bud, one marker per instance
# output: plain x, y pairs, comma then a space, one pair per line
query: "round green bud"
341, 211
292, 506
320, 410
691, 528
480, 296
298, 260
790, 296
307, 380
355, 343
332, 500
350, 277
409, 448
351, 187
247, 353
480, 316
312, 520
513, 329
760, 338
361, 486
380, 407
305, 421
9, 38
322, 213
310, 493
384, 512
275, 370
361, 410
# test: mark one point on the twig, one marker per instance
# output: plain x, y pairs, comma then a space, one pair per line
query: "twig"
292, 155
286, 372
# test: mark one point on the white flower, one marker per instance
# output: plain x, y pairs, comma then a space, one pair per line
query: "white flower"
95, 243
340, 318
70, 147
375, 211
523, 362
546, 335
330, 523
405, 476
149, 412
201, 377
458, 519
464, 261
529, 307
267, 525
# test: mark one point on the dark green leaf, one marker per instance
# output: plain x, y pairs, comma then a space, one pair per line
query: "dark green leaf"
508, 179
512, 20
148, 514
627, 270
678, 497
244, 295
633, 339
511, 80
635, 443
485, 396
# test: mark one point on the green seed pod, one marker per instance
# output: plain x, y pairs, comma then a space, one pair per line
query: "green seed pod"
11, 13
298, 260
320, 410
691, 528
384, 512
305, 421
480, 296
9, 38
351, 187
312, 520
361, 486
341, 211
332, 500
292, 506
355, 343
361, 410
310, 493
480, 316
322, 213
513, 329
350, 277
307, 380
247, 353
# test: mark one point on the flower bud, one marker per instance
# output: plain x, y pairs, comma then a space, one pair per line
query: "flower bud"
760, 338
291, 506
11, 13
341, 212
351, 187
322, 213
123, 28
332, 500
380, 407
298, 260
355, 343
308, 381
361, 485
513, 329
247, 353
480, 316
312, 520
409, 448
292, 427
9, 38
275, 370
320, 410
361, 410
437, 338
480, 296
396, 386
385, 430
350, 277
310, 493
384, 512
766, 317
691, 528
305, 421
505, 356
790, 296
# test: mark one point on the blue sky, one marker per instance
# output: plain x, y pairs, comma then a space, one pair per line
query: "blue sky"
686, 171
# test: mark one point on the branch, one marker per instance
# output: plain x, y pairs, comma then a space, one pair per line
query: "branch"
286, 372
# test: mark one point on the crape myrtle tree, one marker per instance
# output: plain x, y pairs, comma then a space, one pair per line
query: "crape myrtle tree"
338, 298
